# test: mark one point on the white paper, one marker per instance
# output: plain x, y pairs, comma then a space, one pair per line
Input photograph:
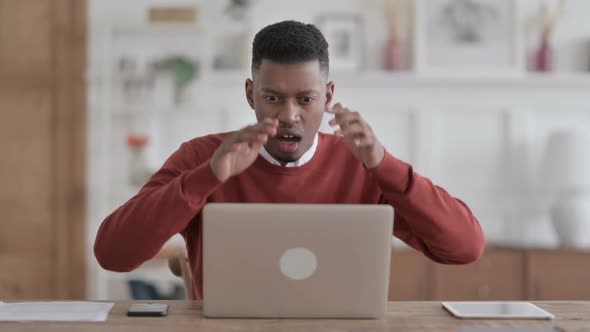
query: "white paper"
55, 311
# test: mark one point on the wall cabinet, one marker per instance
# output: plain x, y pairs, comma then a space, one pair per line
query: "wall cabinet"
500, 274
558, 275
409, 276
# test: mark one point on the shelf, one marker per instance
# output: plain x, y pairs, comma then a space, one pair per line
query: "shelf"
229, 80
408, 79
402, 78
232, 80
165, 28
129, 111
228, 77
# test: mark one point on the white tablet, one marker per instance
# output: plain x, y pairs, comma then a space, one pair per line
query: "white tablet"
506, 310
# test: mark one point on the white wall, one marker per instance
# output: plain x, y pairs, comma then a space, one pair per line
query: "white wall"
480, 139
571, 39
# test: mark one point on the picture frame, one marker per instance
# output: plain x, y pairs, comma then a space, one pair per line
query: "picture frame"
468, 38
345, 34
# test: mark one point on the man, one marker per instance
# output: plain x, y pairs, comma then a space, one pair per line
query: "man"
284, 159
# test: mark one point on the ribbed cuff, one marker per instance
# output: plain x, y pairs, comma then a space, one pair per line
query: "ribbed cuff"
392, 174
198, 184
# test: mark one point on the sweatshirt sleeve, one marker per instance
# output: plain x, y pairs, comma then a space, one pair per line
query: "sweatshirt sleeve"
164, 206
428, 218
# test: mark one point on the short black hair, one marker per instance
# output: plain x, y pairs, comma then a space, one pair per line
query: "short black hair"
290, 42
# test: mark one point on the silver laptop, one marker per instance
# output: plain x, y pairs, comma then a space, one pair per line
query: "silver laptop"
296, 260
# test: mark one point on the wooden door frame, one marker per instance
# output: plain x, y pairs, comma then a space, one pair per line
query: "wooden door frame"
69, 123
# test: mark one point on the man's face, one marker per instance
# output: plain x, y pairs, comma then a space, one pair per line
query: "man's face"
295, 94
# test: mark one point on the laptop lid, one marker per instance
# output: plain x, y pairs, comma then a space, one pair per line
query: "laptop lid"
296, 260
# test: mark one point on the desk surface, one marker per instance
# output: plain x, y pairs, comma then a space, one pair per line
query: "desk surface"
401, 316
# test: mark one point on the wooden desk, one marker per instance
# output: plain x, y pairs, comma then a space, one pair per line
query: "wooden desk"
401, 316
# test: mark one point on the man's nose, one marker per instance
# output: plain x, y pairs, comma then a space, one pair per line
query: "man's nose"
290, 113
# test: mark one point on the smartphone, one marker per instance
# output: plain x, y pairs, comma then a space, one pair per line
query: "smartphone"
147, 310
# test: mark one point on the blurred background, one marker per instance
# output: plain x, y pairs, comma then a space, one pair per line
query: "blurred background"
488, 98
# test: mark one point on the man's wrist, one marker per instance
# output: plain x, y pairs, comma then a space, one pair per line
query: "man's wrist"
377, 158
215, 172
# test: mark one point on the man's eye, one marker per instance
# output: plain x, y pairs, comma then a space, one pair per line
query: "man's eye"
272, 99
306, 100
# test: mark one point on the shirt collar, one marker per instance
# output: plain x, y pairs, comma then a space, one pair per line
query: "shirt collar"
303, 160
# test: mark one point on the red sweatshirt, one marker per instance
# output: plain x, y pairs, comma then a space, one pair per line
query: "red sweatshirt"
426, 217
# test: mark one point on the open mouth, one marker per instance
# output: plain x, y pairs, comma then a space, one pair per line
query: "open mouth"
288, 142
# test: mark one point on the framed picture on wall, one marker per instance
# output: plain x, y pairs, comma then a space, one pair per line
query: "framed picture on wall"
345, 34
468, 37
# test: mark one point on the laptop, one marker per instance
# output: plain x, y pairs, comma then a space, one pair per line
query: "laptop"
296, 260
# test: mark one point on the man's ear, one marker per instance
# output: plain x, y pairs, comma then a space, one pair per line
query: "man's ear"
329, 95
249, 87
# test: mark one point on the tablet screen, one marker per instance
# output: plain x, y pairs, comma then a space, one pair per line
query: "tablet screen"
496, 310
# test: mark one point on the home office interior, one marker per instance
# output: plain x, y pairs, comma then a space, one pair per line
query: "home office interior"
488, 99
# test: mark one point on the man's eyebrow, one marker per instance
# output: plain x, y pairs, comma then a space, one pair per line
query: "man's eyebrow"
308, 92
270, 91
305, 92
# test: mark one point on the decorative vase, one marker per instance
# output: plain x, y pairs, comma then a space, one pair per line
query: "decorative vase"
394, 58
571, 219
544, 56
138, 173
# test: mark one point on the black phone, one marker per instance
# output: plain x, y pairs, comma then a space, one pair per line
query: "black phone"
147, 310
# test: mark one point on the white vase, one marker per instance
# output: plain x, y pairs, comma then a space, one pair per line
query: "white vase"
571, 219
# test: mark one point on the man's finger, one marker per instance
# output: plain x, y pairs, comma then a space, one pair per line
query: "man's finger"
355, 128
339, 108
353, 136
359, 139
253, 137
343, 116
269, 122
235, 147
260, 127
258, 130
364, 142
346, 119
346, 115
266, 127
344, 122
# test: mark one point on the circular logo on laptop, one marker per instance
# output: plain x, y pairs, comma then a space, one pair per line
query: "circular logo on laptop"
298, 263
